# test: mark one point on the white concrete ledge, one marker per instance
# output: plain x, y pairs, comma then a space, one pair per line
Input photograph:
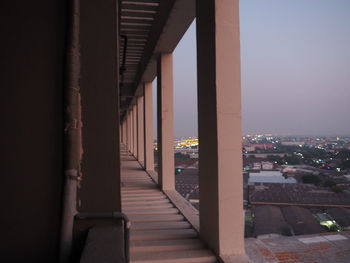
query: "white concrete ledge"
153, 175
185, 207
235, 259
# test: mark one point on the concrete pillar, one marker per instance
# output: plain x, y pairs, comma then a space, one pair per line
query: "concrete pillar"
121, 133
100, 185
165, 119
134, 118
131, 133
140, 131
128, 130
148, 124
219, 125
124, 131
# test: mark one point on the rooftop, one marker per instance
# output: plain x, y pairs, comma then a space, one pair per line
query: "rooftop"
317, 248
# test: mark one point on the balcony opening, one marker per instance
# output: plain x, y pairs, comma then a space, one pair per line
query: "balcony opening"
185, 117
295, 72
155, 119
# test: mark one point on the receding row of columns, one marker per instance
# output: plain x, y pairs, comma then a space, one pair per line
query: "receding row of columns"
139, 137
219, 120
137, 128
219, 126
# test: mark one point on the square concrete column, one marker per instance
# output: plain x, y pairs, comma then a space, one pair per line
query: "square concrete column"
100, 185
219, 127
128, 126
124, 131
130, 130
120, 132
134, 118
148, 126
165, 119
127, 130
131, 122
140, 131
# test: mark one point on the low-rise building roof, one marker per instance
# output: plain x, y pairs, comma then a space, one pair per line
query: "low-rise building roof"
269, 219
301, 220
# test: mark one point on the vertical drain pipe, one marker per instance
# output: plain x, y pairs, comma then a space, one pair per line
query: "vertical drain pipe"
72, 130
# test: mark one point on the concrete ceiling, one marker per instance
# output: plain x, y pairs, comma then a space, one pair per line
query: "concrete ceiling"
148, 28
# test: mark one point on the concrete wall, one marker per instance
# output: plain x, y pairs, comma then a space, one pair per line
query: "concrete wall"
100, 187
32, 54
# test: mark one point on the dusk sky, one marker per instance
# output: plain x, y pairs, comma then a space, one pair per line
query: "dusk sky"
295, 63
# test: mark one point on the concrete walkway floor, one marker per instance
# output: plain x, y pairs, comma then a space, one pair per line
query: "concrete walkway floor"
159, 232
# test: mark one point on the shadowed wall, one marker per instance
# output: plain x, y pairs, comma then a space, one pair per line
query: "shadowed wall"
32, 60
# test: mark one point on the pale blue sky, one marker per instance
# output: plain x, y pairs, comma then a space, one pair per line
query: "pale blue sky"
295, 63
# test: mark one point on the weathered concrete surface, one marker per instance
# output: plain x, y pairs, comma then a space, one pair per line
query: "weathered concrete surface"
293, 249
159, 232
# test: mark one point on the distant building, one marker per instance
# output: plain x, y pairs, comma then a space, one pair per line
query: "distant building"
292, 143
288, 169
263, 146
269, 220
269, 177
298, 169
301, 220
266, 165
249, 148
265, 155
255, 146
193, 155
256, 166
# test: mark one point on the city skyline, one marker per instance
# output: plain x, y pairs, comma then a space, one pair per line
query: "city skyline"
295, 69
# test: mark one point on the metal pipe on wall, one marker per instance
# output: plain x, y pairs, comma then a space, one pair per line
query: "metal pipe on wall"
72, 130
